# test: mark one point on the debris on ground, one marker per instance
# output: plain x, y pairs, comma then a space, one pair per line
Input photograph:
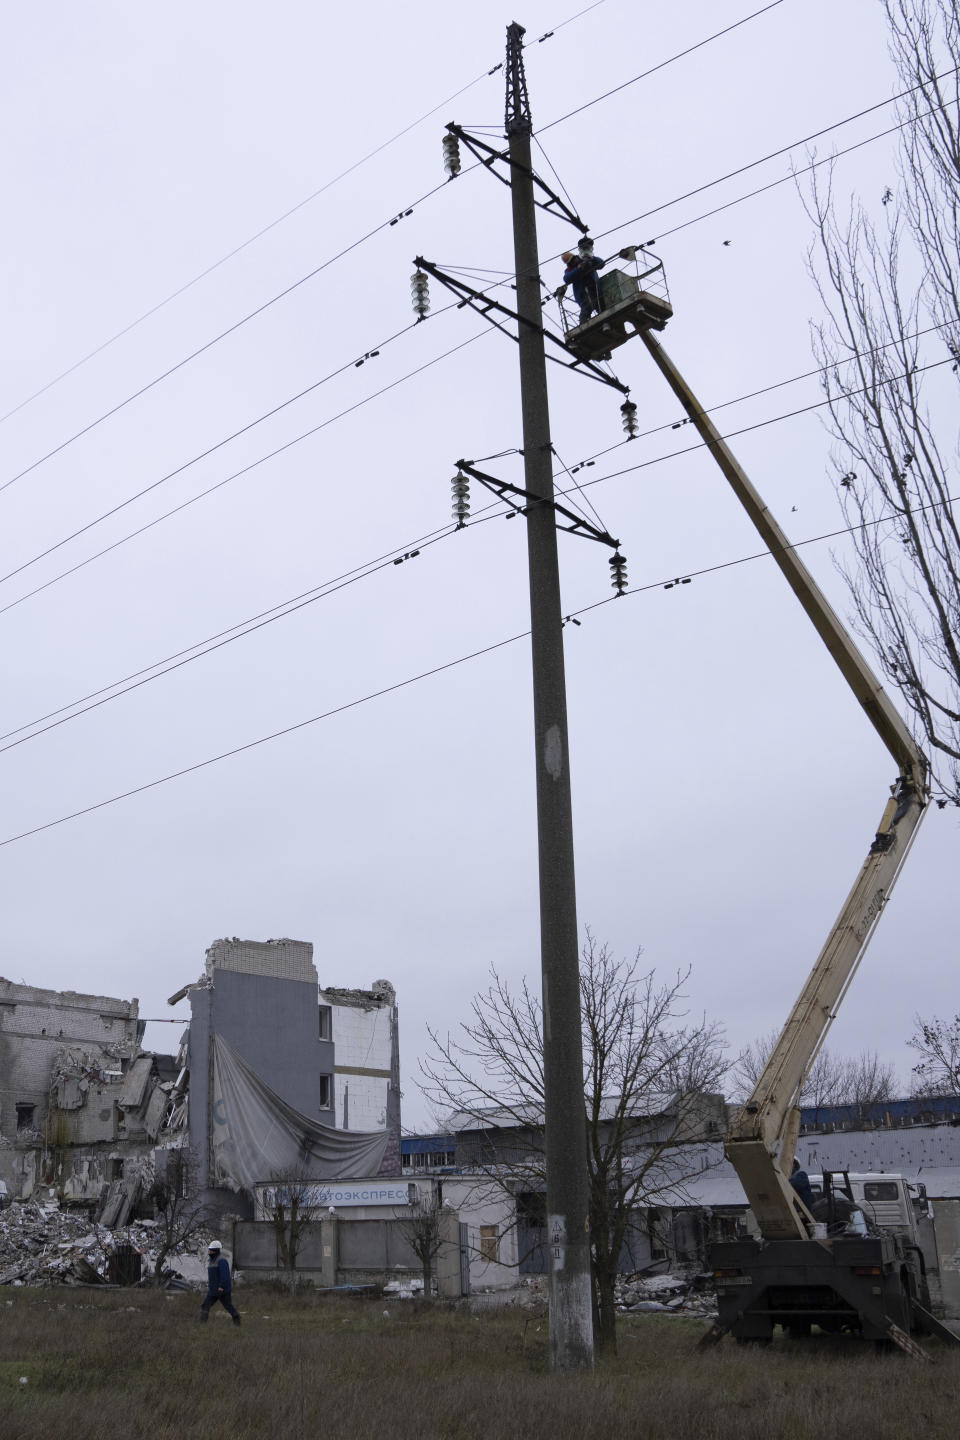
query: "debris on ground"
406, 1289
690, 1295
40, 1244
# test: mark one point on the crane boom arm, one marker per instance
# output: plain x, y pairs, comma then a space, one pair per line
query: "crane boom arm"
762, 1139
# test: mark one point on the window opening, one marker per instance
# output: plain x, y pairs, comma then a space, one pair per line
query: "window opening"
881, 1190
489, 1242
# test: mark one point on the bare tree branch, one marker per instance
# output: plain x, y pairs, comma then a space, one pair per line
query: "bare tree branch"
650, 1078
895, 458
937, 1042
178, 1209
862, 1079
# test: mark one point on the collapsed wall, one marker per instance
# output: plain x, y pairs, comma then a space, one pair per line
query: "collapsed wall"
82, 1109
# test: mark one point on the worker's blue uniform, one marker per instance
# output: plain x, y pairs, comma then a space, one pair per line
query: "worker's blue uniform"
800, 1181
581, 273
219, 1288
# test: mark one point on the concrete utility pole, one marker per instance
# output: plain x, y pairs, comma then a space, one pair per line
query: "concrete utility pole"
568, 1226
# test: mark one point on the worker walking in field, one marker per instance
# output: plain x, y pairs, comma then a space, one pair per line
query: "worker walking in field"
219, 1285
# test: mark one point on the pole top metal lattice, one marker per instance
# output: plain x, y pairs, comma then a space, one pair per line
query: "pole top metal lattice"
518, 118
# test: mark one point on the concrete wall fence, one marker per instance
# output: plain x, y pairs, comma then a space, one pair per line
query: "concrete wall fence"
334, 1251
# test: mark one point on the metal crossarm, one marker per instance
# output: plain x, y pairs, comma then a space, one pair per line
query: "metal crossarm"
484, 305
489, 156
502, 488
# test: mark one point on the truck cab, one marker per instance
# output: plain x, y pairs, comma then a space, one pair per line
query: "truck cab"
888, 1202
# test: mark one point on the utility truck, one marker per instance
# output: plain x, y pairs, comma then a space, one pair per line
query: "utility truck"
843, 1262
843, 1269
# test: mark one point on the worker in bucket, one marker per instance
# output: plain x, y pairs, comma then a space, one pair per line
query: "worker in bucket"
218, 1283
581, 272
800, 1181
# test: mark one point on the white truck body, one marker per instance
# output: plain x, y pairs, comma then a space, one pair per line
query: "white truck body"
886, 1201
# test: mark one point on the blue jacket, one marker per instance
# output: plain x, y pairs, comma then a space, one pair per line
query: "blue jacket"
800, 1181
582, 275
218, 1277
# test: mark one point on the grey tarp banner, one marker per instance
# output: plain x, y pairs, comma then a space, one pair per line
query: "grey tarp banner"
258, 1136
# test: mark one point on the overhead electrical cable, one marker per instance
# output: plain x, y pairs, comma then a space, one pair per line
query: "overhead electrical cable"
265, 230
764, 390
300, 601
792, 176
93, 424
759, 425
209, 344
177, 661
775, 155
64, 574
696, 219
353, 363
411, 680
265, 739
662, 65
244, 470
237, 250
259, 310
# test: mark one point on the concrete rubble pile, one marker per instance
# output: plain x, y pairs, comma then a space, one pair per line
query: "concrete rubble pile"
44, 1245
690, 1295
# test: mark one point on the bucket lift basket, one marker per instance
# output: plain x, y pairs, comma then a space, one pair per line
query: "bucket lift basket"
633, 298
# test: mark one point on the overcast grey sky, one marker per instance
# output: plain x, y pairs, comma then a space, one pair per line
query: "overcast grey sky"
726, 785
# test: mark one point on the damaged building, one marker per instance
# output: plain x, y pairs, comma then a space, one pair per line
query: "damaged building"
82, 1108
286, 1077
274, 1076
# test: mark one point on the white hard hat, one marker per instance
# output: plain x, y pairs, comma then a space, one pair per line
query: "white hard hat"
214, 1245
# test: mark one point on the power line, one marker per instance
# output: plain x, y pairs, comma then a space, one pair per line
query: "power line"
267, 304
662, 65
238, 249
265, 739
792, 176
753, 164
569, 21
180, 469
775, 154
350, 364
757, 555
222, 638
292, 605
211, 450
759, 425
412, 680
230, 330
265, 230
220, 484
86, 429
244, 470
764, 390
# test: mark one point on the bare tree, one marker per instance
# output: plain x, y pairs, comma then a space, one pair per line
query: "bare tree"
179, 1211
937, 1042
891, 292
289, 1201
862, 1079
869, 1080
651, 1083
420, 1225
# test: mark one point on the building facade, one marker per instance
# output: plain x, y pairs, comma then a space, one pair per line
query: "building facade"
285, 1076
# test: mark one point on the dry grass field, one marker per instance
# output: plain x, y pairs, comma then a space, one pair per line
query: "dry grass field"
118, 1365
